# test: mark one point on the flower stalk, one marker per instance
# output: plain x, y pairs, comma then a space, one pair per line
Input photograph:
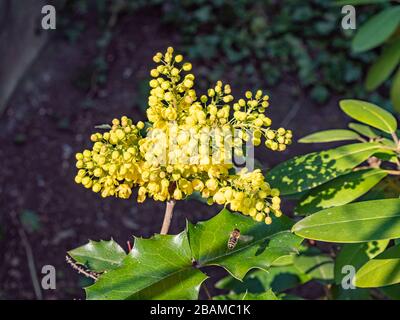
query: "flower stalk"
169, 211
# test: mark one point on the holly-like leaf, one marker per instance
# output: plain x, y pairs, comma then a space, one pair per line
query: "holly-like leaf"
351, 223
268, 295
383, 66
377, 29
357, 254
99, 256
340, 191
330, 136
156, 268
265, 244
370, 114
167, 267
313, 169
381, 271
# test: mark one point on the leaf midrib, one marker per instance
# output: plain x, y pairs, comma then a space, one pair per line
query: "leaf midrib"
243, 247
345, 221
378, 116
97, 258
341, 155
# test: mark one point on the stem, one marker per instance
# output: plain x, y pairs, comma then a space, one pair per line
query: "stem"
169, 211
29, 256
395, 139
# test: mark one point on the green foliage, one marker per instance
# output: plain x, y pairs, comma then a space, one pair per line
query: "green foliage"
152, 265
167, 267
383, 270
392, 291
99, 256
363, 129
316, 265
278, 279
269, 260
377, 29
330, 136
340, 191
311, 170
356, 255
370, 114
268, 295
366, 227
356, 222
384, 66
394, 91
264, 41
265, 243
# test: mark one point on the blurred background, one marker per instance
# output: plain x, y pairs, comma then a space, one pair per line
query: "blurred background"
56, 85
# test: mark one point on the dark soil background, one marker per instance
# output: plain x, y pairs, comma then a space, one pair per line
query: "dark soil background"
50, 117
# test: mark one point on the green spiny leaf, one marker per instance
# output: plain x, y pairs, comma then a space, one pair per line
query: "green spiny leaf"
99, 256
156, 268
162, 267
265, 244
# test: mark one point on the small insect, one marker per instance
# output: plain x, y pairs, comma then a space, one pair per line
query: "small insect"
233, 239
235, 236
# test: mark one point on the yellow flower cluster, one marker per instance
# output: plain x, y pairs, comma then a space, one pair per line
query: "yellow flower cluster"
186, 146
248, 193
111, 167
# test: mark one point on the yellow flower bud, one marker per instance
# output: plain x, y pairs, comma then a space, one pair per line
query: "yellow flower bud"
219, 198
259, 205
187, 66
277, 213
212, 184
275, 192
78, 179
270, 134
177, 194
268, 220
178, 58
259, 217
96, 187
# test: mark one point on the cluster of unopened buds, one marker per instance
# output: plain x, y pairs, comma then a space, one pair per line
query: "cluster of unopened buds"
187, 146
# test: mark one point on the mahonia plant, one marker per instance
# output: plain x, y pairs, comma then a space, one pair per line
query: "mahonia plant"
186, 146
